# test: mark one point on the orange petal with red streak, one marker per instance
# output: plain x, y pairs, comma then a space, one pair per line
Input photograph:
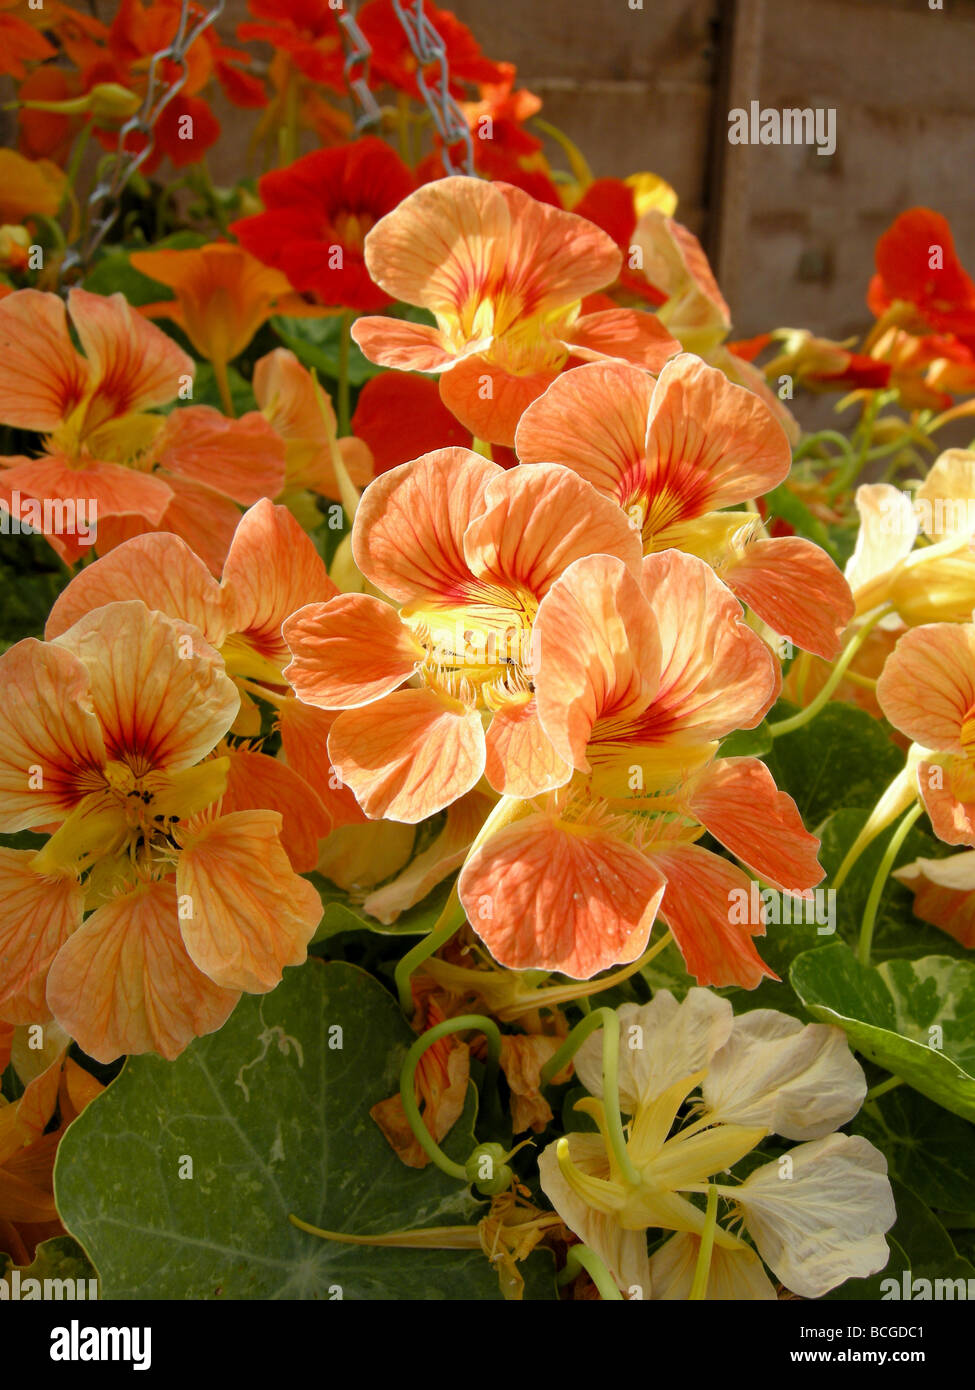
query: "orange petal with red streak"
409, 347
42, 376
536, 521
797, 589
521, 758
622, 333
411, 755
158, 689
133, 365
252, 914
408, 536
51, 746
37, 916
739, 803
348, 652
697, 908
244, 459
598, 653
547, 896
125, 983
594, 420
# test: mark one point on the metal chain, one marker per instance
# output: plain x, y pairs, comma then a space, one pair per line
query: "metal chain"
427, 47
103, 202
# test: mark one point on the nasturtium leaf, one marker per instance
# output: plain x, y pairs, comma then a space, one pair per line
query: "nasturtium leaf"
897, 932
914, 1018
275, 1118
842, 757
920, 1248
316, 342
58, 1259
928, 1151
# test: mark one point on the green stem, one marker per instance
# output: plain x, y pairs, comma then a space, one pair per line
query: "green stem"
699, 1287
608, 1020
345, 339
449, 921
890, 1084
796, 721
223, 386
880, 878
581, 1257
407, 1087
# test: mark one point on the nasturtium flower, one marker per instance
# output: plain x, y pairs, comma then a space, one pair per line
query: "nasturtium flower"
674, 451
616, 205
504, 277
306, 30
318, 212
913, 288
148, 911
103, 445
28, 186
636, 682
272, 569
466, 551
423, 422
927, 691
394, 63
817, 1215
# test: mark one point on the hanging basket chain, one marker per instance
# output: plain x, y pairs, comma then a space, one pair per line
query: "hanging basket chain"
103, 203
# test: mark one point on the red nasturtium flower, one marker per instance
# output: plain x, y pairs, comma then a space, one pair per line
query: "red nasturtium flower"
423, 422
467, 551
674, 451
106, 732
21, 42
636, 681
318, 212
185, 472
918, 268
307, 31
394, 63
504, 276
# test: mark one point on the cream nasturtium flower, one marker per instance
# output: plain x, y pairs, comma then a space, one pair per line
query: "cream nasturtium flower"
816, 1215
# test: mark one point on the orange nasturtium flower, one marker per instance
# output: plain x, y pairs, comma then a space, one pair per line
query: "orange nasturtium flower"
674, 451
927, 690
467, 551
504, 277
134, 470
106, 732
636, 683
272, 569
223, 296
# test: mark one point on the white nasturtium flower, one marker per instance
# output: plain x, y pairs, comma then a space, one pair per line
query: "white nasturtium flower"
816, 1216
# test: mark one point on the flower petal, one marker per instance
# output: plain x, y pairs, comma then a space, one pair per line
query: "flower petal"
888, 528
251, 913
795, 587
800, 1081
50, 740
410, 756
733, 1275
535, 521
598, 654
133, 365
304, 741
272, 570
409, 347
105, 489
521, 759
158, 689
696, 907
739, 803
594, 420
660, 1043
488, 400
159, 569
432, 865
124, 983
944, 893
630, 334
824, 1224
549, 896
257, 782
927, 687
42, 376
408, 536
244, 459
37, 915
349, 651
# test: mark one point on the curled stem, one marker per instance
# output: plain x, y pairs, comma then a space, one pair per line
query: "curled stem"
407, 1089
